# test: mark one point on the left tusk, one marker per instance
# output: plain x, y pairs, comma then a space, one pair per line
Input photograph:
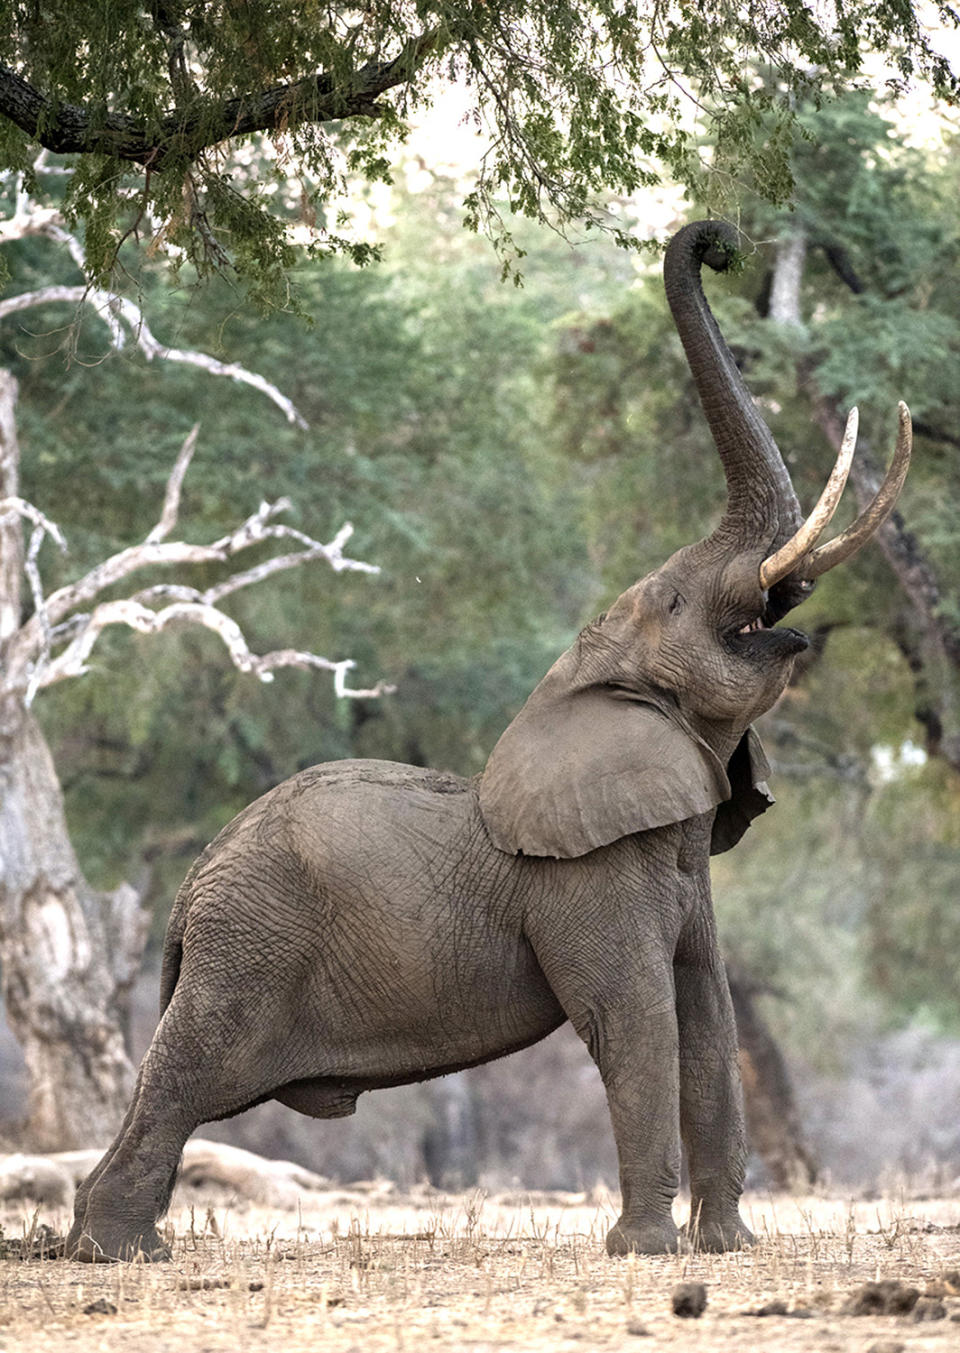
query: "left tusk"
872, 517
800, 545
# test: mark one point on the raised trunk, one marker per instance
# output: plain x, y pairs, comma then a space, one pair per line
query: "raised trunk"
68, 955
762, 506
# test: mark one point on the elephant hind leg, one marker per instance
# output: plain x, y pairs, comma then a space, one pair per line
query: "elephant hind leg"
711, 1107
182, 1083
117, 1206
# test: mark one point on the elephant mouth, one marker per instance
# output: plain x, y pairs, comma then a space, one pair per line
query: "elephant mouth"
758, 639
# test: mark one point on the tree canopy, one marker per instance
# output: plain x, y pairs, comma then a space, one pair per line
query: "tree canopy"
579, 98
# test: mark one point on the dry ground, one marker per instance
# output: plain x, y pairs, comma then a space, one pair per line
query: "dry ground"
371, 1270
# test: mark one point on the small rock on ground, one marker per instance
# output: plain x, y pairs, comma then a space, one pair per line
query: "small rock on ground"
689, 1300
887, 1297
100, 1307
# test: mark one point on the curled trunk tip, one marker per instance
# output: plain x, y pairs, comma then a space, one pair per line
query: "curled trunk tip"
762, 508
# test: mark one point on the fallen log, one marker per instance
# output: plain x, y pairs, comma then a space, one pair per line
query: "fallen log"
52, 1179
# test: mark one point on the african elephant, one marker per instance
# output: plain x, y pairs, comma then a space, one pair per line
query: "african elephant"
368, 924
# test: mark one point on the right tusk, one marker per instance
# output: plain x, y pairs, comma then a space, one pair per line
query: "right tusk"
872, 517
800, 545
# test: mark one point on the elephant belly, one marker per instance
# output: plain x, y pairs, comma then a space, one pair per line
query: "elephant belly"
380, 928
418, 1019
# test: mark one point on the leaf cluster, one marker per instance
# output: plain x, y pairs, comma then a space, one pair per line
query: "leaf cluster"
160, 103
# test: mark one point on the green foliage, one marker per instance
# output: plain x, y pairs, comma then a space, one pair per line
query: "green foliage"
422, 382
511, 466
911, 931
160, 104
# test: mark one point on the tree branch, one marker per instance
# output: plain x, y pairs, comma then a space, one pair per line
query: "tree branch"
255, 529
171, 498
131, 612
57, 619
841, 263
185, 131
113, 308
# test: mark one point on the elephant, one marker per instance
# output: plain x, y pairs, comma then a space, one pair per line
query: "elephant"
368, 924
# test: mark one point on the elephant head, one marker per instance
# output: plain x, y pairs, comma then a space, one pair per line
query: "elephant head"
646, 720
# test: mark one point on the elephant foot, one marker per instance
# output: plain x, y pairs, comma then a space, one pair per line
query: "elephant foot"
717, 1235
109, 1244
631, 1237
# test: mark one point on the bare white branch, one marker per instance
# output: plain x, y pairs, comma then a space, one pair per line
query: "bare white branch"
22, 508
112, 308
60, 621
255, 529
32, 570
134, 614
171, 499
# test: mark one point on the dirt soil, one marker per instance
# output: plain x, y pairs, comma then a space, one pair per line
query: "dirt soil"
370, 1269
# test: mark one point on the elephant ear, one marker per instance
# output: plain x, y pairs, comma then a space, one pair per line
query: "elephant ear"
579, 768
750, 795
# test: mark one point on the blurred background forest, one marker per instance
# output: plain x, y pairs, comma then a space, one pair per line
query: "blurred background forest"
512, 458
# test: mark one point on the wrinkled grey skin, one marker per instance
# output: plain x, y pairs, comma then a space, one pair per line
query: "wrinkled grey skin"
368, 924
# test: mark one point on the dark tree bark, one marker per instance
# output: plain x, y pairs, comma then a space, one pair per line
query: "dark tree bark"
773, 1122
185, 131
925, 635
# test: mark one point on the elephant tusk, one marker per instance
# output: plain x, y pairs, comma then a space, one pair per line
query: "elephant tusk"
872, 517
799, 546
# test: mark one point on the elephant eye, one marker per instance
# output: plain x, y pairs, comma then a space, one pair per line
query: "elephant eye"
676, 606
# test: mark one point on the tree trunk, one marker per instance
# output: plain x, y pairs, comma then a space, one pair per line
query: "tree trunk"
924, 631
11, 534
450, 1147
773, 1124
791, 254
68, 955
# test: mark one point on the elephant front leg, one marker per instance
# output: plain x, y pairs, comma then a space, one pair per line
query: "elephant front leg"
635, 1049
618, 995
711, 1102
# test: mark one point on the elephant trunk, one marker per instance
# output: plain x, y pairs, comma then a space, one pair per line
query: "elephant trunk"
762, 508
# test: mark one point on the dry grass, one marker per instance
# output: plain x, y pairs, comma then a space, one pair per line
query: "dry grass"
376, 1271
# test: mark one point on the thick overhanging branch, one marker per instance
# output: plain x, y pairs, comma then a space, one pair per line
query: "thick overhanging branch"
186, 131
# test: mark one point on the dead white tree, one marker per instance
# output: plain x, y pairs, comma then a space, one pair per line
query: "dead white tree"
68, 953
